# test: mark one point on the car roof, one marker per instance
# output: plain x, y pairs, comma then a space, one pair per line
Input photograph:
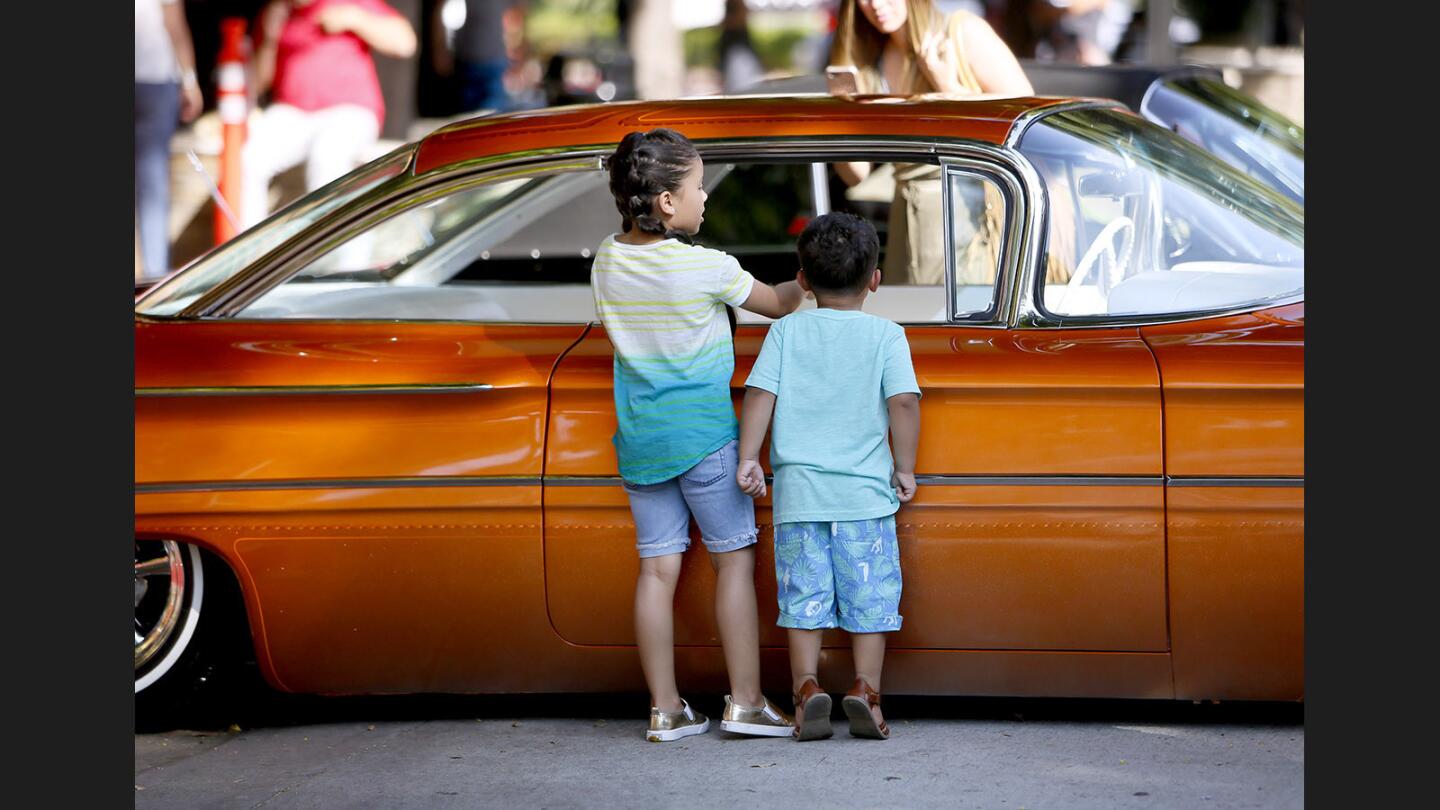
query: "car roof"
983, 118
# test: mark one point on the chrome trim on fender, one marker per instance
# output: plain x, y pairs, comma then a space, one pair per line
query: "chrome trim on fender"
314, 390
338, 483
1235, 481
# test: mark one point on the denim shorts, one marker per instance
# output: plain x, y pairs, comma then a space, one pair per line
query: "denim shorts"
842, 574
725, 514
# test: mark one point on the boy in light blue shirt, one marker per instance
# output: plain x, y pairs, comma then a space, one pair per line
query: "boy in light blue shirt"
836, 380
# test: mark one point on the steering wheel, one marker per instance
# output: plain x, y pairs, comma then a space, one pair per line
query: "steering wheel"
1105, 244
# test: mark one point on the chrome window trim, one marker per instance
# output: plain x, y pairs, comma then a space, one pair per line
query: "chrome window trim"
313, 390
1182, 72
402, 194
410, 150
1026, 119
1019, 181
227, 299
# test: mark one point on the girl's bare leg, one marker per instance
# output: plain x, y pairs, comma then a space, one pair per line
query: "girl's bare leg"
655, 628
739, 622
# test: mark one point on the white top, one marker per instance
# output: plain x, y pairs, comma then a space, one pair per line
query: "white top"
154, 55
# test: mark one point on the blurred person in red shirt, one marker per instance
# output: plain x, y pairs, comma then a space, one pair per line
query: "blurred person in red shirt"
166, 93
325, 103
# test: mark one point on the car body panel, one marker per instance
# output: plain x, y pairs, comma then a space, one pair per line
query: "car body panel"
1235, 408
1078, 564
241, 391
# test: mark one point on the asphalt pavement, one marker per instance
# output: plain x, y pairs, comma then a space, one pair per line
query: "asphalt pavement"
589, 751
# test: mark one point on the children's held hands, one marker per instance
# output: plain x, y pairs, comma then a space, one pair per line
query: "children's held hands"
751, 478
904, 484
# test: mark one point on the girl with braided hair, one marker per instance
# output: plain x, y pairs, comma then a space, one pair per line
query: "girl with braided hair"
663, 303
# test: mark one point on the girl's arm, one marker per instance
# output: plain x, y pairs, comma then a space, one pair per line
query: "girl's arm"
904, 441
774, 302
754, 422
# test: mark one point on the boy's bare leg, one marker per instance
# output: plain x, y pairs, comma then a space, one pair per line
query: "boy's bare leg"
804, 656
869, 652
655, 628
739, 622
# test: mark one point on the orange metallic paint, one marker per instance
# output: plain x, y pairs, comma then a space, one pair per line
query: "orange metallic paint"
1235, 406
1237, 592
1234, 393
495, 432
986, 567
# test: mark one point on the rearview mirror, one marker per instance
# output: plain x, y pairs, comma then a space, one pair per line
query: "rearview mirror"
1112, 184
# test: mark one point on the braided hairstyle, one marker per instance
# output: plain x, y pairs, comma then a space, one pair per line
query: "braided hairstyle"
644, 165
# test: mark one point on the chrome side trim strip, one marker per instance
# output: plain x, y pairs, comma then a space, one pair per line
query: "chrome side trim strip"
1039, 480
1236, 481
339, 483
582, 480
614, 480
313, 390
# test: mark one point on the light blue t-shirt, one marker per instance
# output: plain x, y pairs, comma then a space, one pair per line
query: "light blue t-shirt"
831, 372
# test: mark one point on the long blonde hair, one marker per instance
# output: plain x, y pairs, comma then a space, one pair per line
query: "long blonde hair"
860, 44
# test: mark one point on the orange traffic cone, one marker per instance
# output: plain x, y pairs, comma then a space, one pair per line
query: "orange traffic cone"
234, 107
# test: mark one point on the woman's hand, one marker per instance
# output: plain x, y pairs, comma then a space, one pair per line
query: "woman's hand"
937, 61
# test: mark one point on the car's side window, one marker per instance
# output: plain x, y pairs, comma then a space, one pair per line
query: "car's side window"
978, 220
518, 249
512, 250
1143, 223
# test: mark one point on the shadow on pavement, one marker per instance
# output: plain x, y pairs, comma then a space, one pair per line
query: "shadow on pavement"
252, 704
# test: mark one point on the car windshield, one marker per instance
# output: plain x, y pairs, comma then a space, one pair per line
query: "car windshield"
1142, 222
183, 289
1235, 128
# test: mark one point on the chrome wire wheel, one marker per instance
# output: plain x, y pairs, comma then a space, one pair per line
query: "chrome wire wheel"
169, 585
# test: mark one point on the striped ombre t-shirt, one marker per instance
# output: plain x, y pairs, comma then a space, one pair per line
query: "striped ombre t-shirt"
663, 307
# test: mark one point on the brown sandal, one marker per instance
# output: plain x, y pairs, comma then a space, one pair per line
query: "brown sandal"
812, 712
857, 703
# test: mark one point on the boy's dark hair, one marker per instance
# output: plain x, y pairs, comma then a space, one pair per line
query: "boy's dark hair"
643, 165
838, 251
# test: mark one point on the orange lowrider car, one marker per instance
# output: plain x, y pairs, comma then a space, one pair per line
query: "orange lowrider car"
382, 418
